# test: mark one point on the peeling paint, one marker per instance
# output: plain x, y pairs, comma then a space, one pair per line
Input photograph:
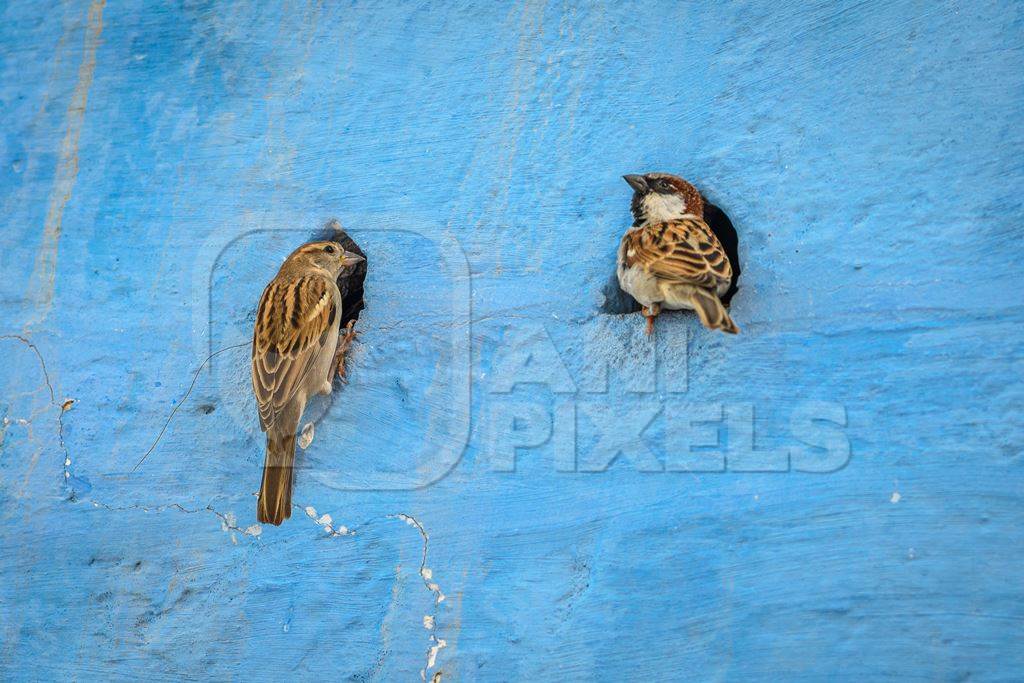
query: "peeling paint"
326, 522
426, 574
229, 523
439, 644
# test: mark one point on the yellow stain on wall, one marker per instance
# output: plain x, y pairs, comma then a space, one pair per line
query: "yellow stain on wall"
42, 282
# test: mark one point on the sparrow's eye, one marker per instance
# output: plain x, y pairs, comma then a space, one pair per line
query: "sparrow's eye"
329, 249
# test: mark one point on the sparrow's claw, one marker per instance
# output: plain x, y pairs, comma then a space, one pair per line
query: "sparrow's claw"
339, 363
650, 313
343, 344
350, 331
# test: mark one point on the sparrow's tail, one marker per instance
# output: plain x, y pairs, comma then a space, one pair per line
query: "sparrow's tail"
275, 501
711, 311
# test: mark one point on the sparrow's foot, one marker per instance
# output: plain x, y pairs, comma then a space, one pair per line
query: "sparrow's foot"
343, 344
650, 313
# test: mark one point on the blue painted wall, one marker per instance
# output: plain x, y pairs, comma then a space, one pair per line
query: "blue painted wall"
835, 493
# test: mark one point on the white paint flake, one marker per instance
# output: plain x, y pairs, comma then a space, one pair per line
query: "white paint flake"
441, 643
229, 523
326, 522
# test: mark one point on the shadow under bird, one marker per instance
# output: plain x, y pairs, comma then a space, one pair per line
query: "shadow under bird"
295, 353
670, 258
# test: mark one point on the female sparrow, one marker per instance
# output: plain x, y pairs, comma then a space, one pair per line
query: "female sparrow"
670, 258
293, 357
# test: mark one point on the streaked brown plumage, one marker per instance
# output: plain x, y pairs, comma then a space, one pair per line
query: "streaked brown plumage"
295, 340
670, 258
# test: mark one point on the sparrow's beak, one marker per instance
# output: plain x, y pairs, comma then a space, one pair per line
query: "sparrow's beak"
637, 182
350, 259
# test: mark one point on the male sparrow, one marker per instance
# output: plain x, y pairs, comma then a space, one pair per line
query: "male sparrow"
670, 258
293, 357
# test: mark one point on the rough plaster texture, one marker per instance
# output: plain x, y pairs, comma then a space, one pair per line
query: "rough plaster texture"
156, 163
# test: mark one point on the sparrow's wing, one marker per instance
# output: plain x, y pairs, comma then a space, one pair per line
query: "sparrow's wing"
683, 251
723, 229
292, 325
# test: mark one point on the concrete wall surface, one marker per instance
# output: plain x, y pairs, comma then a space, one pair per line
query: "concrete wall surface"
514, 485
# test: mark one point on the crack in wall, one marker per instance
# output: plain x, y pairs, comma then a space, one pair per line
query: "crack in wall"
228, 521
180, 403
62, 408
429, 620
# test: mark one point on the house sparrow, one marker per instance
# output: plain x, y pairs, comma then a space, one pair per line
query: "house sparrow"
618, 302
670, 258
294, 347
